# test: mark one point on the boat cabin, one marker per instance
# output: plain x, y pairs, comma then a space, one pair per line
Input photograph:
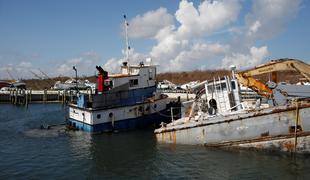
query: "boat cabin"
135, 76
223, 95
133, 85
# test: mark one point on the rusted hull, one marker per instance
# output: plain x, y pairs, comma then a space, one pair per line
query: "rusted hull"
265, 129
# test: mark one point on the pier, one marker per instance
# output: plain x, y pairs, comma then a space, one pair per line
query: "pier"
25, 97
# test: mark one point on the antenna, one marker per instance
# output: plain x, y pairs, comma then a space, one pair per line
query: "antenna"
11, 76
36, 75
44, 74
126, 24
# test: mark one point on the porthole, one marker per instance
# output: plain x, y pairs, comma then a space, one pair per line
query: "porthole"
155, 106
98, 116
110, 115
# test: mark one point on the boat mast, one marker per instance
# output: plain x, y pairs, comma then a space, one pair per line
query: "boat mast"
127, 43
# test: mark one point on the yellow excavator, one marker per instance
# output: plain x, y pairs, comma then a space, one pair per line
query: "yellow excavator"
279, 92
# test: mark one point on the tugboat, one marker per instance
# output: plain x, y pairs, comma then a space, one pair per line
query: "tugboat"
122, 101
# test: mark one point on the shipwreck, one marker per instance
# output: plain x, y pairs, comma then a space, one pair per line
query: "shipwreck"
279, 120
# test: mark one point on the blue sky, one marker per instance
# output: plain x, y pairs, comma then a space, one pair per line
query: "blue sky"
54, 35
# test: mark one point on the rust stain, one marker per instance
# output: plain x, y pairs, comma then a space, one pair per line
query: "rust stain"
288, 145
188, 111
168, 136
174, 137
264, 134
259, 146
261, 139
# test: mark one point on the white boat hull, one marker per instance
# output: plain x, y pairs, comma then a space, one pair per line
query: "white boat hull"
118, 118
268, 128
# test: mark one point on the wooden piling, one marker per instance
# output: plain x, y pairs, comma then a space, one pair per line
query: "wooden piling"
26, 102
23, 99
44, 96
63, 97
58, 96
11, 96
30, 95
16, 94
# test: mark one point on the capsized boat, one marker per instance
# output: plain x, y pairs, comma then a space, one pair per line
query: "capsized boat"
279, 120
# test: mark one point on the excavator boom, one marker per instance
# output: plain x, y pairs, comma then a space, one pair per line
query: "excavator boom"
246, 77
280, 65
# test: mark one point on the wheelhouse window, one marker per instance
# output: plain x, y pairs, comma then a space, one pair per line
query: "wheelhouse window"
133, 82
233, 85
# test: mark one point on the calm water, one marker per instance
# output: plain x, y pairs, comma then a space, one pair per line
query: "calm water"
26, 152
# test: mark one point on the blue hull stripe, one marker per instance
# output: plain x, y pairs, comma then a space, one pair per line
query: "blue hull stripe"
127, 124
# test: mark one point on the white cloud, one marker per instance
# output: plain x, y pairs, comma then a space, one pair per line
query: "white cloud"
186, 39
197, 55
178, 45
113, 64
254, 28
16, 71
254, 57
148, 24
184, 45
85, 65
270, 17
24, 64
207, 18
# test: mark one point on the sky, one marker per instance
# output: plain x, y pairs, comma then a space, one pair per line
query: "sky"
53, 36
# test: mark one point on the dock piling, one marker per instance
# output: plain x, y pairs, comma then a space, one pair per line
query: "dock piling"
26, 103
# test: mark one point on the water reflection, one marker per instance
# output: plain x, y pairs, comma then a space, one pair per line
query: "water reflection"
80, 144
30, 153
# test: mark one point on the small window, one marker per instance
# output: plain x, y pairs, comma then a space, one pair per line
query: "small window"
233, 85
223, 86
155, 106
98, 116
150, 74
133, 82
